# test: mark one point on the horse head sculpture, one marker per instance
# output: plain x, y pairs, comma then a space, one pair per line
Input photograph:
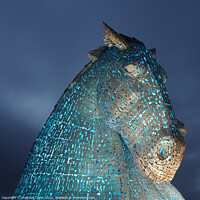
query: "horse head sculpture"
113, 134
135, 102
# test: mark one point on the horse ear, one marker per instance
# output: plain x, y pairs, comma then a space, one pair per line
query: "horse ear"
112, 38
153, 51
94, 55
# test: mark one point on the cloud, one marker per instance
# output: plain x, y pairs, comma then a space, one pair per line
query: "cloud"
31, 108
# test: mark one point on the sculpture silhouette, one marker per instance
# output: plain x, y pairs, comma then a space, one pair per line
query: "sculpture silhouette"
113, 133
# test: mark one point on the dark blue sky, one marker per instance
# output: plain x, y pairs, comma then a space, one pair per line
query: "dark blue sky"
44, 44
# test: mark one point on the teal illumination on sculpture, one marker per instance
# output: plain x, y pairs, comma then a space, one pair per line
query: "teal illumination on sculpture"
113, 133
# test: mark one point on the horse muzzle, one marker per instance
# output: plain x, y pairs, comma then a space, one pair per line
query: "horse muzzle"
165, 159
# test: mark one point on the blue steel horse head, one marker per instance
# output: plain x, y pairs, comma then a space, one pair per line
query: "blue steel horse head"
113, 134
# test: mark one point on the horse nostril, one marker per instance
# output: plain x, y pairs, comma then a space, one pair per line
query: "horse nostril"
165, 148
162, 154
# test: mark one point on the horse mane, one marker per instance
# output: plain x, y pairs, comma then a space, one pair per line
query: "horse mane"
86, 67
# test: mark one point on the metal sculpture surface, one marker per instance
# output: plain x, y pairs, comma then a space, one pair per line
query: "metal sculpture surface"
113, 134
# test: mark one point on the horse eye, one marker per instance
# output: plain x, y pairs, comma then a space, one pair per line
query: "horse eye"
130, 68
133, 70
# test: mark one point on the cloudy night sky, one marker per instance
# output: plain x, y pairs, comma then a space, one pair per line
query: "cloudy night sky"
44, 45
